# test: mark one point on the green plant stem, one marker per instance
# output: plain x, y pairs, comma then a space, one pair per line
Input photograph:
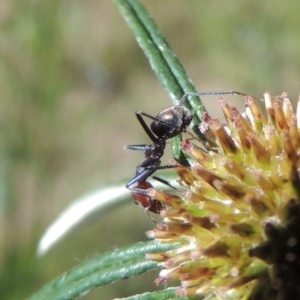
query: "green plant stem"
102, 269
162, 58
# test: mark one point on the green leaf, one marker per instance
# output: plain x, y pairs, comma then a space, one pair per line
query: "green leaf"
103, 269
162, 58
166, 294
169, 294
164, 62
98, 202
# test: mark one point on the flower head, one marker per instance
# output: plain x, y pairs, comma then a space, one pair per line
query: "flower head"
237, 216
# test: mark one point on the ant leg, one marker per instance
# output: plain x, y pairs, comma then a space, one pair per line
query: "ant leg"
171, 166
140, 177
142, 147
140, 115
148, 116
137, 190
165, 182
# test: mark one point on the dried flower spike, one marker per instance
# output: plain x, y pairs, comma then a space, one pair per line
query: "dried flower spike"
238, 214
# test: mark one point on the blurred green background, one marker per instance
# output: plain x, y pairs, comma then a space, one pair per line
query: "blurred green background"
71, 78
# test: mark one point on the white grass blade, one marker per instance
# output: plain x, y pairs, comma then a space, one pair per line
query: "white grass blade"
101, 200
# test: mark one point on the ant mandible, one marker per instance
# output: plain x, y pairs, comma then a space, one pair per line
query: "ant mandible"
167, 124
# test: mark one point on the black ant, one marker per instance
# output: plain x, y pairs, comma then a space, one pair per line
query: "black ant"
167, 124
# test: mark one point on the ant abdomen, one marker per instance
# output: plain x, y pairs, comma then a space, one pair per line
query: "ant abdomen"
145, 201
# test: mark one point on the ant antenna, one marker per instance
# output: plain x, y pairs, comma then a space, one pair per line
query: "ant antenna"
216, 93
186, 95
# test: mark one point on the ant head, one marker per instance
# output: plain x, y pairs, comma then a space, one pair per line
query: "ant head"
171, 121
